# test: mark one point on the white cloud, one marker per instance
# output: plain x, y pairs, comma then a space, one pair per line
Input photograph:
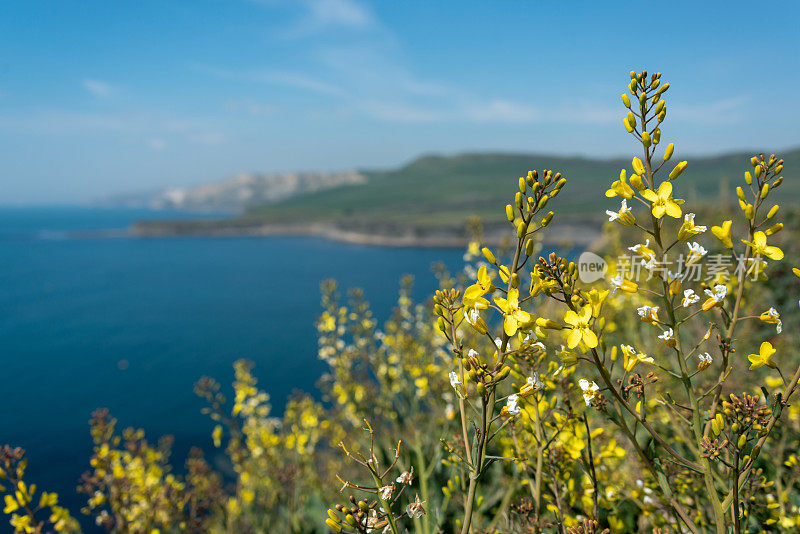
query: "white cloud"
98, 88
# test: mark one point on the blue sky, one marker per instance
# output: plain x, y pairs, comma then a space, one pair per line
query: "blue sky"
106, 97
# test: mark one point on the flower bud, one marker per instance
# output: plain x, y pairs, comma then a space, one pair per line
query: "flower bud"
627, 125
543, 202
646, 141
759, 170
518, 200
514, 280
773, 211
656, 136
742, 441
547, 218
529, 247
510, 212
778, 181
748, 211
488, 255
679, 168
668, 152
748, 178
662, 115
333, 525
764, 191
522, 229
659, 107
638, 167
503, 374
774, 229
740, 193
636, 181
626, 100
754, 161
523, 185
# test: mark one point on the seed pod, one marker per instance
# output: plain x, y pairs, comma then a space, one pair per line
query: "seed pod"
510, 212
646, 140
488, 255
669, 150
626, 100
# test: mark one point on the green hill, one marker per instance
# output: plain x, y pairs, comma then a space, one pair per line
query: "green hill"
444, 191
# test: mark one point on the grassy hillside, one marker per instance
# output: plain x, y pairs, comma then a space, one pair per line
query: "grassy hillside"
436, 190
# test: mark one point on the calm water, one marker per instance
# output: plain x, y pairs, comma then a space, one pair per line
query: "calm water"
131, 324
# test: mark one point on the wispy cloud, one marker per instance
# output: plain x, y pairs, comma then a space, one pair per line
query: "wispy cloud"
98, 88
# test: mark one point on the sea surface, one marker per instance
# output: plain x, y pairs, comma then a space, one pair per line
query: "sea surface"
90, 318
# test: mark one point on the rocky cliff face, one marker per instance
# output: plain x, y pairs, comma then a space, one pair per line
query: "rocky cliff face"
241, 191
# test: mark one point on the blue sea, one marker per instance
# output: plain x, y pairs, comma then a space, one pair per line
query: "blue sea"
90, 318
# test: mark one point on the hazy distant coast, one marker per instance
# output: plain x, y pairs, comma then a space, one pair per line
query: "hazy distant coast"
580, 234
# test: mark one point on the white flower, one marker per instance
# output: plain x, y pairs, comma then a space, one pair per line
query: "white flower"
454, 380
616, 283
648, 314
623, 211
719, 293
386, 491
539, 345
406, 477
472, 353
696, 249
589, 390
705, 358
689, 298
635, 248
415, 509
535, 382
473, 315
511, 404
667, 335
772, 316
498, 342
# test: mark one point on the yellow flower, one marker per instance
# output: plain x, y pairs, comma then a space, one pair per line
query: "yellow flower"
620, 188
513, 315
541, 283
689, 229
772, 316
662, 201
579, 326
596, 300
764, 356
474, 293
624, 216
723, 233
625, 285
760, 247
632, 358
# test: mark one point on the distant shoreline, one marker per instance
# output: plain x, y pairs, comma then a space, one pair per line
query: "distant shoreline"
582, 234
